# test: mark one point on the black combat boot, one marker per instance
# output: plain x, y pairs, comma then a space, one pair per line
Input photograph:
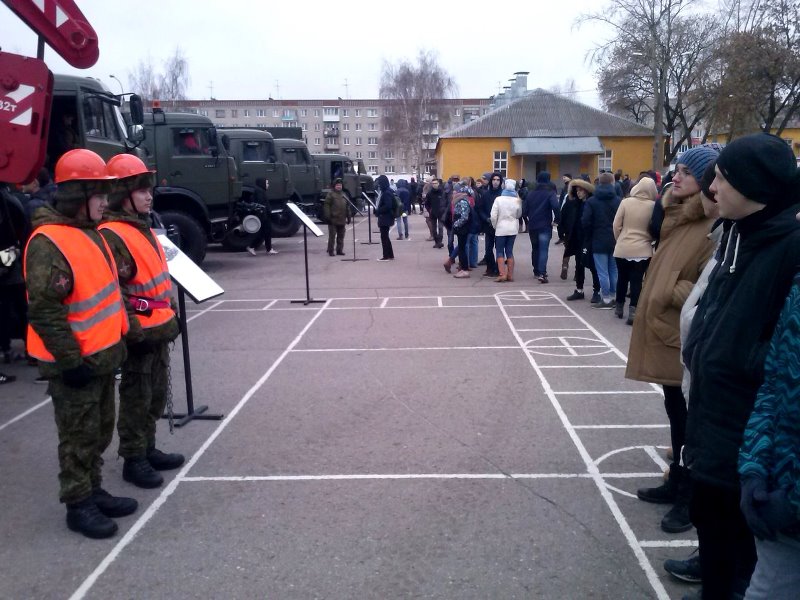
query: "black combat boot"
113, 506
161, 461
677, 519
666, 493
84, 517
138, 471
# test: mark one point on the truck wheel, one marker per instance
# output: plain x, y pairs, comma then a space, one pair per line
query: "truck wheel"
191, 237
285, 224
238, 241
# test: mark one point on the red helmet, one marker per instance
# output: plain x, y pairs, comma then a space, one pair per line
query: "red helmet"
81, 165
126, 165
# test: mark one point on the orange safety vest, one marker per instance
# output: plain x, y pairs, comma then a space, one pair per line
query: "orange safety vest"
152, 280
95, 312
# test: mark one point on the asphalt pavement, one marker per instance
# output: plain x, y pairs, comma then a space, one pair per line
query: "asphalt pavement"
410, 435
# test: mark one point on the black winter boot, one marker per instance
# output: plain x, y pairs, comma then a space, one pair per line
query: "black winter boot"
84, 517
677, 519
113, 506
161, 461
138, 471
619, 309
666, 493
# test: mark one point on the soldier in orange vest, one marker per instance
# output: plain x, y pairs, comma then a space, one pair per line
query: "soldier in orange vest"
147, 290
76, 326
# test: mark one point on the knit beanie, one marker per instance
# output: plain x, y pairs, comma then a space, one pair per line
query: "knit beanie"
696, 160
707, 179
510, 184
761, 167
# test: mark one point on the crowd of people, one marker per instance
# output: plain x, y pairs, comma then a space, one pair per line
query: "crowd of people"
708, 263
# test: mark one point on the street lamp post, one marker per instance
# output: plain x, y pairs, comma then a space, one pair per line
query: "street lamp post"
121, 88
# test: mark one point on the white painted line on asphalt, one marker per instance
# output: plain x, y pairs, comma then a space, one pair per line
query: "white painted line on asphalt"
173, 485
270, 305
621, 426
557, 329
439, 301
582, 366
385, 302
653, 453
358, 308
406, 349
26, 413
392, 476
606, 393
668, 543
205, 310
544, 317
591, 466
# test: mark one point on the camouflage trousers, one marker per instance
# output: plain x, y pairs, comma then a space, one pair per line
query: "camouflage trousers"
85, 423
143, 394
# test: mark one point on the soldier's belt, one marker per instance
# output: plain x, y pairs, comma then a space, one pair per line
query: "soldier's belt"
143, 305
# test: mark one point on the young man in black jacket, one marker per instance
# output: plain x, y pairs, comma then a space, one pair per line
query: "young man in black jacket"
756, 187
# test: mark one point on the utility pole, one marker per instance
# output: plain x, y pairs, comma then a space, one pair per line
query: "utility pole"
211, 90
277, 90
346, 90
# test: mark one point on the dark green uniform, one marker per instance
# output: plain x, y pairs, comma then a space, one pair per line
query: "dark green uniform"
84, 416
336, 210
144, 389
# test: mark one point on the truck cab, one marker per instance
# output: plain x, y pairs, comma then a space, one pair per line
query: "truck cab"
353, 174
197, 185
255, 155
303, 171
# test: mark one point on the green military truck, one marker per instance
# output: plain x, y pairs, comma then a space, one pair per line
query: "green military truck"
304, 173
353, 173
197, 186
255, 156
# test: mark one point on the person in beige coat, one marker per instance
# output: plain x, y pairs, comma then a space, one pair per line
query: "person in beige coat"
654, 355
634, 245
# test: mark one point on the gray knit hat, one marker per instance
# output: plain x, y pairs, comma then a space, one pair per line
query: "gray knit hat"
697, 159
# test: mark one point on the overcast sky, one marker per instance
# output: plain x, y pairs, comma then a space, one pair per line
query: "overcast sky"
248, 49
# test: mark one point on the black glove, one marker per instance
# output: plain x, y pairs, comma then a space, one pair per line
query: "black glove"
78, 377
754, 498
778, 512
140, 348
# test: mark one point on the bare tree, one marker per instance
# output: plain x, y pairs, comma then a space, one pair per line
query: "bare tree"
170, 84
645, 28
145, 81
420, 104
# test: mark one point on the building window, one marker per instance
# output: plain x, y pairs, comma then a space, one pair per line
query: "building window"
388, 154
331, 112
303, 112
359, 155
372, 112
372, 141
404, 169
500, 162
458, 112
204, 113
387, 127
346, 141
316, 112
373, 126
345, 112
246, 113
604, 163
317, 141
372, 169
261, 112
390, 168
219, 113
358, 126
358, 112
234, 113
346, 153
358, 141
316, 126
304, 126
275, 113
345, 126
372, 155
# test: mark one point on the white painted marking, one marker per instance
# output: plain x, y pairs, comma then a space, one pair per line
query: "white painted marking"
581, 366
388, 476
557, 329
406, 348
544, 317
605, 393
591, 466
26, 413
385, 302
23, 119
204, 311
23, 91
270, 305
173, 485
621, 426
668, 543
653, 453
619, 451
439, 301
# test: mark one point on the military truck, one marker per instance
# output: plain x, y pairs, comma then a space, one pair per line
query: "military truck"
353, 173
304, 172
197, 185
255, 156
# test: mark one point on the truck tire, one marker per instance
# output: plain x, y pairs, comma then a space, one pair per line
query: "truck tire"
285, 223
191, 237
238, 241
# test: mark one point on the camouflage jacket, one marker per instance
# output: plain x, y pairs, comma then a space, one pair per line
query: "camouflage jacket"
49, 280
126, 268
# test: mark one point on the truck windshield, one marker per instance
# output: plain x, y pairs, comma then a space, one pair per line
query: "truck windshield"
191, 140
255, 152
102, 119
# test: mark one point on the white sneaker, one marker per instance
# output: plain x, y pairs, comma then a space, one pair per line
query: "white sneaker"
251, 251
273, 251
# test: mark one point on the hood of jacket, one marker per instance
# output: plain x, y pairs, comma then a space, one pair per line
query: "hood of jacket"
645, 190
382, 182
48, 215
604, 192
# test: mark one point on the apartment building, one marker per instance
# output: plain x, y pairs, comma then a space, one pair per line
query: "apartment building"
354, 128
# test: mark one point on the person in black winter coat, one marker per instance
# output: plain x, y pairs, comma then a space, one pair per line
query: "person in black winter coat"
435, 205
541, 210
756, 188
384, 210
573, 244
597, 221
483, 210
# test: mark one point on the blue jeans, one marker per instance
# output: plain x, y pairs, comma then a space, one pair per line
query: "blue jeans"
402, 225
472, 250
540, 246
607, 274
504, 244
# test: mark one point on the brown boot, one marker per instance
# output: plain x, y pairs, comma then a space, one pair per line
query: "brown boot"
510, 269
447, 264
501, 268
